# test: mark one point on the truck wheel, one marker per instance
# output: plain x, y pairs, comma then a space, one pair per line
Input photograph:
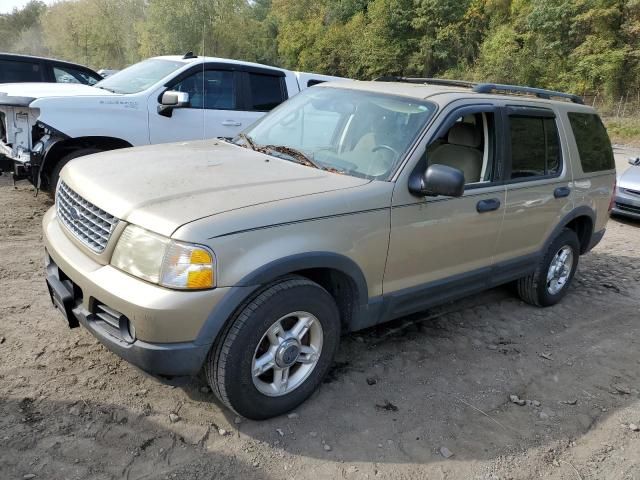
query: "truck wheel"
54, 176
276, 351
550, 282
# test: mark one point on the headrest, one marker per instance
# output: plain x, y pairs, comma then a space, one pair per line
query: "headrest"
464, 135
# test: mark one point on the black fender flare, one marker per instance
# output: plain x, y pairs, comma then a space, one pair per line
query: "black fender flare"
580, 211
245, 288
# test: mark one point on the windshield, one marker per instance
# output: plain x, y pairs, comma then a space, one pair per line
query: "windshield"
140, 76
358, 133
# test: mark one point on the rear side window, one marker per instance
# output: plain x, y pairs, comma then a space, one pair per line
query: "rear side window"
14, 71
535, 147
266, 92
593, 142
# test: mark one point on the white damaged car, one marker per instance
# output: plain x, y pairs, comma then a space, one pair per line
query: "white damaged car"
160, 100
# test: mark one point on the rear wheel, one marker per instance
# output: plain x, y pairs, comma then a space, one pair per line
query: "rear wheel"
276, 351
54, 176
551, 280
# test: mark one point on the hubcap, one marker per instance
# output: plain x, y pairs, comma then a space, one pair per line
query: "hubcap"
287, 354
559, 270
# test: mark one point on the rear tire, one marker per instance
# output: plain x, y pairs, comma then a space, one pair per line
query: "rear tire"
274, 354
54, 176
551, 279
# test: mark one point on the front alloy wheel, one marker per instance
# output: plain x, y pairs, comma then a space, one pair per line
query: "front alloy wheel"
287, 354
276, 350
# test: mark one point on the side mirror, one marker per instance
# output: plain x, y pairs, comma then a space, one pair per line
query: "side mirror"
635, 161
172, 99
438, 180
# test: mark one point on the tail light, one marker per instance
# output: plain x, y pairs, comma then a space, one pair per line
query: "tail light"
613, 195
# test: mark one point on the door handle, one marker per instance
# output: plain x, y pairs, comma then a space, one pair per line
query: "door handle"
561, 192
488, 205
231, 123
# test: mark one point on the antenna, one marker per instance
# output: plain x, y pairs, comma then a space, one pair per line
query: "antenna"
189, 55
204, 84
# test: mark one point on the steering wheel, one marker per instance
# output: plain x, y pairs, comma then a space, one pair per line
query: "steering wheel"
386, 147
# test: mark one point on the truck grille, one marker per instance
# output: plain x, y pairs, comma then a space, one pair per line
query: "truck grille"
91, 225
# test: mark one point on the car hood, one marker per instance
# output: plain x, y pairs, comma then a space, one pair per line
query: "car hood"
34, 91
630, 178
162, 187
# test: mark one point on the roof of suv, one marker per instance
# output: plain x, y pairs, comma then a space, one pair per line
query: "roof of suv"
426, 90
16, 56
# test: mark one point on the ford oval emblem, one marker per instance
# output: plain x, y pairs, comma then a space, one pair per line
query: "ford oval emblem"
74, 214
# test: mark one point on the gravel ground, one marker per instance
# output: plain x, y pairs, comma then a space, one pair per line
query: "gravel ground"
427, 396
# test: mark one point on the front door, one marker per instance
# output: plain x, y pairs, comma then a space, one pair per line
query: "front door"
214, 97
442, 247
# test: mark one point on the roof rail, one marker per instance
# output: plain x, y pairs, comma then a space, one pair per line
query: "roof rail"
428, 81
518, 90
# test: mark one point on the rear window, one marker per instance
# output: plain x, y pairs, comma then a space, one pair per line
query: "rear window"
535, 148
266, 92
593, 142
14, 71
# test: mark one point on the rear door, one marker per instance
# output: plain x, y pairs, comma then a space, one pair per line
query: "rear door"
263, 90
538, 180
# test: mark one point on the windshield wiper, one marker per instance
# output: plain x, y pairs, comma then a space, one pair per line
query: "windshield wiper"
296, 155
247, 139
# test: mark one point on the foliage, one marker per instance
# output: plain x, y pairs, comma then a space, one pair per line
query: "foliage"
586, 46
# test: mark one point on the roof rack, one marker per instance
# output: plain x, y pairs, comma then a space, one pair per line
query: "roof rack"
428, 81
486, 87
517, 90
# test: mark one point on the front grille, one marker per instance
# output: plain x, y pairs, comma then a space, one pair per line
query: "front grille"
628, 208
632, 192
90, 224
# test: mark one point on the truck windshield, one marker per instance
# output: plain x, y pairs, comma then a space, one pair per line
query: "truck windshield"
140, 76
364, 134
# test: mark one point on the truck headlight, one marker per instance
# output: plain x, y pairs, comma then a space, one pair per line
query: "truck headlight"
160, 260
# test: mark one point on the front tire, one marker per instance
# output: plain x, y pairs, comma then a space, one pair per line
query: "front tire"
276, 351
551, 279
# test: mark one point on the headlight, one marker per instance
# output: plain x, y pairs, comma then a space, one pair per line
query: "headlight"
160, 260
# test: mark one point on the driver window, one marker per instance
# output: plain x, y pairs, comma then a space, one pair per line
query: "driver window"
211, 89
468, 146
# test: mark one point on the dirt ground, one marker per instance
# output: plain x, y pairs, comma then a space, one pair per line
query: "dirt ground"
399, 400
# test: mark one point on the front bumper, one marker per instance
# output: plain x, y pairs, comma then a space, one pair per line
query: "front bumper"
165, 323
626, 204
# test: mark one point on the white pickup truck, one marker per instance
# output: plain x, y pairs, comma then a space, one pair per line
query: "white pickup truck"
159, 100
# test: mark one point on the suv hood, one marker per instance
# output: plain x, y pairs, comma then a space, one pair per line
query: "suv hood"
162, 187
34, 91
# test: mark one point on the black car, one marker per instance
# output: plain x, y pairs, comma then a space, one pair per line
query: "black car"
23, 68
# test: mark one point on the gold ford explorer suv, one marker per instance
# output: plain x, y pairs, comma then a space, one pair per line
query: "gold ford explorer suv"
349, 205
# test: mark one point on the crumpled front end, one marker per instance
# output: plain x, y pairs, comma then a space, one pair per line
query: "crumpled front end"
21, 137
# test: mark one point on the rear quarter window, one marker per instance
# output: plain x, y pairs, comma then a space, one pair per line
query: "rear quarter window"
593, 142
19, 71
